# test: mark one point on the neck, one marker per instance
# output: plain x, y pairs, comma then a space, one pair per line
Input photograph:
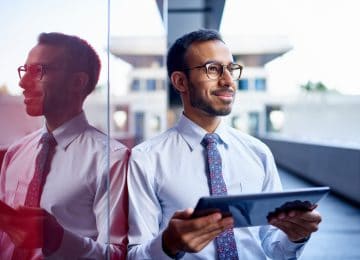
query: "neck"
208, 122
54, 121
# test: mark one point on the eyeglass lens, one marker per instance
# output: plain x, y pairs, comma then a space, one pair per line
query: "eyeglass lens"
216, 70
35, 71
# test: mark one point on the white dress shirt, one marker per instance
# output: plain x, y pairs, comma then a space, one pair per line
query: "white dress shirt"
75, 191
168, 173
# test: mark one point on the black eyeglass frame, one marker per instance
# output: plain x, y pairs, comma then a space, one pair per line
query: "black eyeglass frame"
229, 67
43, 68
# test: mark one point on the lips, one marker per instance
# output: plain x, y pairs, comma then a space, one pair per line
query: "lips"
224, 93
31, 96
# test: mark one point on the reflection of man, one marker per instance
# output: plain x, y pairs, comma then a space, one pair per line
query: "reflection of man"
169, 173
59, 187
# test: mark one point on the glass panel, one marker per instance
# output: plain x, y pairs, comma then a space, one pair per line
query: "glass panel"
254, 119
140, 79
66, 179
274, 119
243, 84
150, 84
260, 84
139, 127
135, 86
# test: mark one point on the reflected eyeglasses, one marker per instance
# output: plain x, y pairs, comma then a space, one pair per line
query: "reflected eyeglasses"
36, 71
215, 70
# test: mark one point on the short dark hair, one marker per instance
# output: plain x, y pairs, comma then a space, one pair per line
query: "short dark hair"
81, 55
176, 54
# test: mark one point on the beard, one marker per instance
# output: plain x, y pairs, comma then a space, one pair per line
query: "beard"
197, 101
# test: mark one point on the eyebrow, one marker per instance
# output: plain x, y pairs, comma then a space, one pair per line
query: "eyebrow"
226, 64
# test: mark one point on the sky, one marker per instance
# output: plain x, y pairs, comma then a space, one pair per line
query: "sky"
25, 20
323, 33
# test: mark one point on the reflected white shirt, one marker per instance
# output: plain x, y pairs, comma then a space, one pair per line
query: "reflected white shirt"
75, 189
168, 173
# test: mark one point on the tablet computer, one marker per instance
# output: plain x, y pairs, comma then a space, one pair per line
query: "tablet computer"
256, 209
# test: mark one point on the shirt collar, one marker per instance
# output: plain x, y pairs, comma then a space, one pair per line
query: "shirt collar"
193, 133
223, 133
71, 129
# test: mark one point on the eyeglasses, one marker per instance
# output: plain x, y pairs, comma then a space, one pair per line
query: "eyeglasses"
36, 71
215, 70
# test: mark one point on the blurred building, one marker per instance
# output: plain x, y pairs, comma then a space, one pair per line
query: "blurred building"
151, 105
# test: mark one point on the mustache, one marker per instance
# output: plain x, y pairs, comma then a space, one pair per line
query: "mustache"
223, 91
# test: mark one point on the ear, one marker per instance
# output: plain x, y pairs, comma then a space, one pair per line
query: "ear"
81, 80
179, 81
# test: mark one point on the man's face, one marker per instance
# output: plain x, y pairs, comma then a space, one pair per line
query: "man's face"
210, 97
48, 95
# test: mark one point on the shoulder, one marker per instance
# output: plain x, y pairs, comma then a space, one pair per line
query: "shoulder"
249, 141
22, 146
155, 147
95, 144
157, 143
98, 138
27, 140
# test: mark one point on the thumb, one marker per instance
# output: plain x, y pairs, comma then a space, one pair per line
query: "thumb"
185, 214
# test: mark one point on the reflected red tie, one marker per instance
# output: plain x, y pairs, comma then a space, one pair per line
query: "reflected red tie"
42, 166
225, 242
33, 195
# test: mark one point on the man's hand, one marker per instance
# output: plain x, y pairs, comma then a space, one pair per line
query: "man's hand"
297, 224
191, 235
34, 228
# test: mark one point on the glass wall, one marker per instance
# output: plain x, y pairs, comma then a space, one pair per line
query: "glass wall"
51, 85
94, 85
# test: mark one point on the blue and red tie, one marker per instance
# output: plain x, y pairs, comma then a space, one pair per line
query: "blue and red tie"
225, 242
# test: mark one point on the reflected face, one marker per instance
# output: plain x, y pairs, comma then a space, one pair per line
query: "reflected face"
45, 91
208, 96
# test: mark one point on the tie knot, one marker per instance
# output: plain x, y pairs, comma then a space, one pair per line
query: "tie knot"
47, 138
210, 139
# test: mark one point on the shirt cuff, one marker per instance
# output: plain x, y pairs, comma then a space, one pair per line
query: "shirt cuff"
73, 247
157, 251
178, 255
290, 247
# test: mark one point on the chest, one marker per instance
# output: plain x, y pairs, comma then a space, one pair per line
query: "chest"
70, 182
180, 184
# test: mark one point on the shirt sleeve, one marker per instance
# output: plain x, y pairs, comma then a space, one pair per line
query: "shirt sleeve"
2, 176
275, 242
145, 211
74, 246
2, 184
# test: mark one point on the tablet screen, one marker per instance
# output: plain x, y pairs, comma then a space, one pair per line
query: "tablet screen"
255, 209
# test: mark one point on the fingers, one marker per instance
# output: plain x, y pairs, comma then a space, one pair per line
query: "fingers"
26, 227
192, 235
297, 224
205, 230
183, 214
31, 227
292, 230
202, 237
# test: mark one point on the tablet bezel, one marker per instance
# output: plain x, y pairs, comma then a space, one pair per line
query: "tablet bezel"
253, 209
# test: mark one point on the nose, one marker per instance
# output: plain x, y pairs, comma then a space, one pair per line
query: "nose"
26, 81
226, 77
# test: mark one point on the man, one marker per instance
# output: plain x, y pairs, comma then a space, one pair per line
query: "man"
66, 216
168, 173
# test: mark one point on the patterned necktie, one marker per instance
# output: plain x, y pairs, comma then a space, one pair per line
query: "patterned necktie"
33, 195
42, 166
225, 242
